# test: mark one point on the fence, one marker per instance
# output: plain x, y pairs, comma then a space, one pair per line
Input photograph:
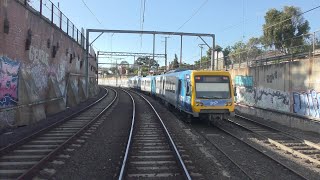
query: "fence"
51, 13
276, 53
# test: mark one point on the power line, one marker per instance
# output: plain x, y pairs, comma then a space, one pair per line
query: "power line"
95, 18
91, 12
196, 12
142, 15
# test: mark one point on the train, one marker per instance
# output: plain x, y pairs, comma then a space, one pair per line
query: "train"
196, 93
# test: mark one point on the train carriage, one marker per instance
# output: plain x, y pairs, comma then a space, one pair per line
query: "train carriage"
198, 93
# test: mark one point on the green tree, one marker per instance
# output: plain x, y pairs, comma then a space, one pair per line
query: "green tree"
226, 51
175, 63
238, 52
146, 61
254, 48
124, 63
283, 29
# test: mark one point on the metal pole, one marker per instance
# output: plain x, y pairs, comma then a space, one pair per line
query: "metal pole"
165, 52
60, 19
200, 55
52, 6
314, 43
180, 52
40, 7
87, 64
67, 26
201, 47
217, 68
73, 31
154, 45
97, 67
212, 52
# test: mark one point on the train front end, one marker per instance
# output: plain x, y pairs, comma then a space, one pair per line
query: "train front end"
212, 94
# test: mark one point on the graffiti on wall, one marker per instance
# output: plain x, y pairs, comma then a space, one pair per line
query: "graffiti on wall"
38, 55
9, 79
307, 103
272, 77
264, 98
39, 69
246, 81
8, 82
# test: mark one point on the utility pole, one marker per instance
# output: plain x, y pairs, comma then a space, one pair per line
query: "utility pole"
180, 51
201, 47
117, 69
165, 52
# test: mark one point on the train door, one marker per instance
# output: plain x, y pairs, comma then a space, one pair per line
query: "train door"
178, 94
187, 100
163, 90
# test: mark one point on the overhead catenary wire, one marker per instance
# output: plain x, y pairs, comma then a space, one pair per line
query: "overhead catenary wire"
91, 12
94, 17
195, 13
142, 17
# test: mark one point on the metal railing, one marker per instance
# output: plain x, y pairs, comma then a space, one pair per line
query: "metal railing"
51, 13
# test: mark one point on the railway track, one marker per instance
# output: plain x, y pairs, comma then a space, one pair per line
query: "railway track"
285, 141
150, 152
23, 160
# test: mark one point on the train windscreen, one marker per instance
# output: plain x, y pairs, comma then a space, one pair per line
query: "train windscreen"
212, 87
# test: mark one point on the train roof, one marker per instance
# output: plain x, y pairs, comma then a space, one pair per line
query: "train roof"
176, 70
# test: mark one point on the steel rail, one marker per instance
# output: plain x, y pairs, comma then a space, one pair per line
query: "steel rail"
30, 173
172, 144
217, 147
269, 156
22, 141
125, 159
312, 144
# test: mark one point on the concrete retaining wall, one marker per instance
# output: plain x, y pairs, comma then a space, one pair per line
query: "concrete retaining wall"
39, 65
112, 81
291, 87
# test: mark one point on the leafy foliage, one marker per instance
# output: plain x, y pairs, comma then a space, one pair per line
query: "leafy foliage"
146, 61
283, 29
226, 51
175, 63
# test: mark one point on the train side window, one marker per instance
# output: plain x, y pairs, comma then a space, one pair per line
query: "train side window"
188, 89
163, 84
179, 87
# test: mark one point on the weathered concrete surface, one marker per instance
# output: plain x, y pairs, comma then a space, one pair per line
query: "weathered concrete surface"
287, 119
292, 87
112, 81
36, 60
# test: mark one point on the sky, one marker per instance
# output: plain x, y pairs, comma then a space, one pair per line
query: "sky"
229, 20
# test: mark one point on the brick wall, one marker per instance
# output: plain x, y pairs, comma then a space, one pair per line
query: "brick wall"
36, 58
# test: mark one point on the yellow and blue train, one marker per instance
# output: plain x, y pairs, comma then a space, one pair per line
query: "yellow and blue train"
208, 94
